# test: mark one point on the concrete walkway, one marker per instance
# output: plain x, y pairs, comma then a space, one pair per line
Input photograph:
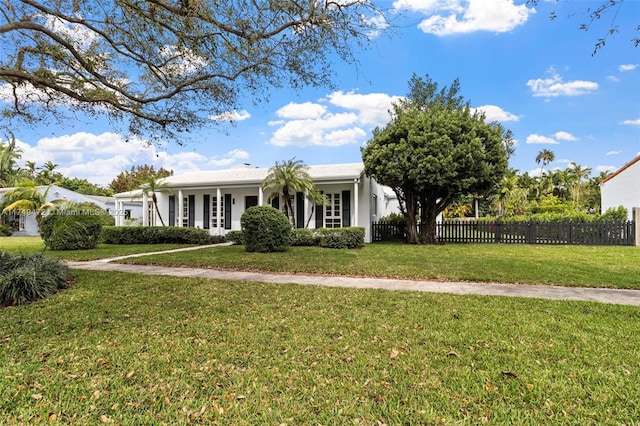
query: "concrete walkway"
603, 295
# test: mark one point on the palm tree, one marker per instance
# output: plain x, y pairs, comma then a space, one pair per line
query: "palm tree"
580, 173
287, 178
152, 186
316, 198
545, 157
27, 197
9, 153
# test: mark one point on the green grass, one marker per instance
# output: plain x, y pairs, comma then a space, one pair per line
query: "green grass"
135, 349
582, 266
26, 245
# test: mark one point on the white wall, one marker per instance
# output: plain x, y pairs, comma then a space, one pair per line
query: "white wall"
622, 190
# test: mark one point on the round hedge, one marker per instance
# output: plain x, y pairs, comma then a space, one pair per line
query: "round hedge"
265, 229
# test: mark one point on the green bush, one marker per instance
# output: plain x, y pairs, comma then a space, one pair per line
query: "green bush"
349, 238
27, 278
156, 235
236, 237
5, 230
71, 230
303, 237
619, 214
265, 229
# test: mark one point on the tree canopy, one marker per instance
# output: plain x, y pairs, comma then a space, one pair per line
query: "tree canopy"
136, 177
434, 150
166, 66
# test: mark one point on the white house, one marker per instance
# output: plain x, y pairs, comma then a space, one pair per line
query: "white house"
622, 187
215, 200
25, 224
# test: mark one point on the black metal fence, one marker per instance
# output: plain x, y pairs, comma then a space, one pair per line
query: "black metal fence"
590, 233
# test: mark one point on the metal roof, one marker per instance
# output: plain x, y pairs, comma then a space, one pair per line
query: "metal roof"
255, 175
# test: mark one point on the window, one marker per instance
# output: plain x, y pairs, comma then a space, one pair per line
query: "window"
332, 218
151, 213
374, 206
214, 212
185, 211
16, 221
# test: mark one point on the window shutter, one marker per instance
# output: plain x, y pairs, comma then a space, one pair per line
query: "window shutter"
319, 215
275, 202
192, 211
206, 205
172, 210
346, 208
227, 211
299, 210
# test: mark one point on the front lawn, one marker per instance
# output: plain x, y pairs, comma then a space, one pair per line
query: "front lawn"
576, 266
128, 349
27, 245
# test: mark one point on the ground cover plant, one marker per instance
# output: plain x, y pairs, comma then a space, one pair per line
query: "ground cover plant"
26, 245
577, 266
176, 351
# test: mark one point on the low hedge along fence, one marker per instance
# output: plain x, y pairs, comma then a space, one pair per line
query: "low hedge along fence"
157, 235
349, 238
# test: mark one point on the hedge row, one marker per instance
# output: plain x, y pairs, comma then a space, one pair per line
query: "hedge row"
71, 231
349, 238
157, 235
618, 214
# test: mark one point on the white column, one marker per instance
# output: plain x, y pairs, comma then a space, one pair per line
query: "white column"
180, 207
116, 211
260, 196
218, 212
356, 183
145, 209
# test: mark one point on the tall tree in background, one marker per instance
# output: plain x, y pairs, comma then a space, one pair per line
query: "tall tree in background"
166, 67
433, 151
544, 157
9, 169
138, 175
287, 178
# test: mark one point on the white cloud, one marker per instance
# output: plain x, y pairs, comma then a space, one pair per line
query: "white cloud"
565, 136
606, 168
445, 17
613, 78
372, 108
294, 111
539, 139
613, 153
231, 116
99, 158
635, 122
627, 67
377, 23
554, 86
321, 124
495, 113
229, 158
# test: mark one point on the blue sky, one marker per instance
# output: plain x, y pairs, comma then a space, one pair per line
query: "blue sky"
534, 75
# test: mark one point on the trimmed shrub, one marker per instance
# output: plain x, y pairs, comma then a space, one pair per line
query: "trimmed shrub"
349, 238
71, 230
27, 278
303, 237
265, 229
236, 237
156, 235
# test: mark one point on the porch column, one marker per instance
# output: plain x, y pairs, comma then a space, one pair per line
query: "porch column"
218, 212
180, 207
116, 211
145, 209
356, 183
260, 195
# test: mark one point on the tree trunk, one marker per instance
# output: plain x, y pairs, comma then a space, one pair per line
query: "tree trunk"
410, 219
429, 211
155, 204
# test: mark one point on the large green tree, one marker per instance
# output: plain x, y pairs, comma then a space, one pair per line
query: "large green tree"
137, 176
164, 67
433, 151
